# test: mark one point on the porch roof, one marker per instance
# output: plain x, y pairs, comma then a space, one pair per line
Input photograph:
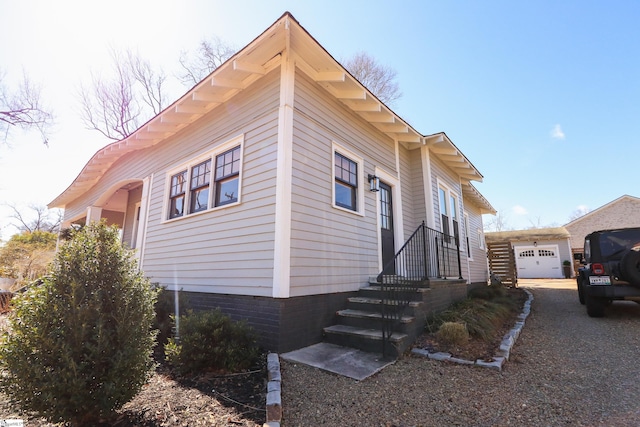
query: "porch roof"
285, 37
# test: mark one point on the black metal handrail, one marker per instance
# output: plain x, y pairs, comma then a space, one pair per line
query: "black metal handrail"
426, 254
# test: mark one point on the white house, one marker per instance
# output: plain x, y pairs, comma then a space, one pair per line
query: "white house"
252, 192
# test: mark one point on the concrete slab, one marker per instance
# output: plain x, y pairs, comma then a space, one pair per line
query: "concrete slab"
345, 361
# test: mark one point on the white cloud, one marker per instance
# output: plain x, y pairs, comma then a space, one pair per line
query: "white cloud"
519, 210
557, 133
583, 209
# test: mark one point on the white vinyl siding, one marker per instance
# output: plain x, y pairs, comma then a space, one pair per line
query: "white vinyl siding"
441, 175
477, 265
332, 250
413, 209
223, 250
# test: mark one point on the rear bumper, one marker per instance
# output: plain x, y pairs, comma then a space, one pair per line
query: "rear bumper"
613, 291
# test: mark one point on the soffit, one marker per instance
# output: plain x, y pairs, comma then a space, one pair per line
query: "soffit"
444, 149
263, 54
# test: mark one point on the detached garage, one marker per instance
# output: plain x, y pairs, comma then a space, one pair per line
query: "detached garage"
539, 253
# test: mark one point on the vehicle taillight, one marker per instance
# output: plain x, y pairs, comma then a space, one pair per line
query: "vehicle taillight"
597, 268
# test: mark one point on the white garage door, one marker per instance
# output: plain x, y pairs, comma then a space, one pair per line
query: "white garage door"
538, 262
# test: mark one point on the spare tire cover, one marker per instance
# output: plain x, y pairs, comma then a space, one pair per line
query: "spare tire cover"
630, 266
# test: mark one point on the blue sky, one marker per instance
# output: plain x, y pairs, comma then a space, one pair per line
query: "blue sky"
542, 97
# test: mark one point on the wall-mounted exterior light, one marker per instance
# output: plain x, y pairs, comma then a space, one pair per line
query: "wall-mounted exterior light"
374, 183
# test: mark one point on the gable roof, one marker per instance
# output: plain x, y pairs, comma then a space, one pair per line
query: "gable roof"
601, 208
471, 193
263, 54
554, 233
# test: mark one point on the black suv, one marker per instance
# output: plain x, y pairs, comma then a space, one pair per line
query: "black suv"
611, 269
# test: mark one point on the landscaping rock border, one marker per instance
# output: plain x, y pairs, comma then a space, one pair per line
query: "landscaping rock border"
502, 355
274, 399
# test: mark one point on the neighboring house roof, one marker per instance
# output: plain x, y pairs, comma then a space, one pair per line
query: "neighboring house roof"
555, 233
602, 208
285, 37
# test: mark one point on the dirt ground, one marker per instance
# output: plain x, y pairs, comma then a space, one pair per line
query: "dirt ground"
210, 400
204, 400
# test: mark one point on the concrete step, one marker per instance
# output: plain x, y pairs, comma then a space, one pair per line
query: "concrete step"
365, 339
373, 304
370, 315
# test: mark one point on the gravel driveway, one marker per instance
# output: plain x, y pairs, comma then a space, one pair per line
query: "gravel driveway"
566, 369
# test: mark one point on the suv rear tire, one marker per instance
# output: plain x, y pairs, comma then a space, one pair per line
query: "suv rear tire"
581, 292
630, 266
595, 305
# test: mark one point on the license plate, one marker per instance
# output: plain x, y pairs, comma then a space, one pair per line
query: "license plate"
600, 280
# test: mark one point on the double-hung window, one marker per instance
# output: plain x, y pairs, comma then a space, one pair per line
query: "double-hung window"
177, 194
227, 177
454, 218
467, 236
449, 213
444, 211
346, 182
200, 186
208, 182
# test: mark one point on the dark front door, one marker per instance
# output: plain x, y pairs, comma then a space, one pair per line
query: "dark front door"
386, 228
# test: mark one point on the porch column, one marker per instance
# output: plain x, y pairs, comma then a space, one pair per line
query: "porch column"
141, 236
94, 213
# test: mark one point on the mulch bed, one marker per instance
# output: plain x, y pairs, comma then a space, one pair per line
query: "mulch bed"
210, 399
238, 399
207, 400
476, 348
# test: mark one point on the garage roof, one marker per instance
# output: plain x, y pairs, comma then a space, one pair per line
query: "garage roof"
555, 233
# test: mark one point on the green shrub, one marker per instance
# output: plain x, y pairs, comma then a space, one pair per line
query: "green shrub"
483, 314
81, 340
488, 292
210, 340
453, 333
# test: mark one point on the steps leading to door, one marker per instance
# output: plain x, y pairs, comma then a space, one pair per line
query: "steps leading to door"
360, 324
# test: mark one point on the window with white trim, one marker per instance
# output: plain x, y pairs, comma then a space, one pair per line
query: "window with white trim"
444, 211
347, 180
449, 214
467, 235
178, 194
197, 187
227, 177
346, 176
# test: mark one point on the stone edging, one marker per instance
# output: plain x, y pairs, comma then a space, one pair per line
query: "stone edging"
503, 352
274, 399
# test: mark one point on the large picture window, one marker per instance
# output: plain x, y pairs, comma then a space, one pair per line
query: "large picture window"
209, 181
346, 182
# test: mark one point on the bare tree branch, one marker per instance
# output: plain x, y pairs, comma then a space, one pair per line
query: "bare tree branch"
379, 79
498, 222
117, 106
199, 64
23, 109
40, 218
